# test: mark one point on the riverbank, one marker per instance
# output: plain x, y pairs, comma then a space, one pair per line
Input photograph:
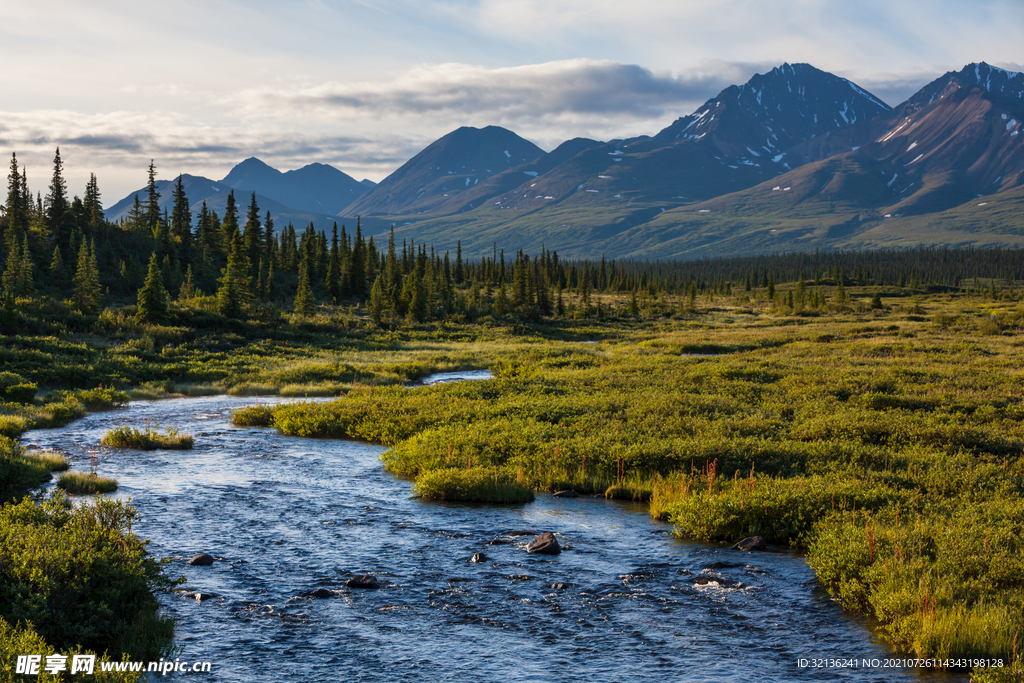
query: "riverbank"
887, 444
287, 519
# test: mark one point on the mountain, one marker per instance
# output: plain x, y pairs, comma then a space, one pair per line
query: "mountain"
199, 189
450, 166
945, 167
316, 188
794, 159
732, 142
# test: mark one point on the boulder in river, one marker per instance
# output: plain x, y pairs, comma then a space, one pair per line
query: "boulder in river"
544, 544
567, 494
201, 560
751, 543
322, 593
559, 586
716, 580
363, 581
197, 596
478, 557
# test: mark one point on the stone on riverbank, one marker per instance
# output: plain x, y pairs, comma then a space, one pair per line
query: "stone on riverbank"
751, 543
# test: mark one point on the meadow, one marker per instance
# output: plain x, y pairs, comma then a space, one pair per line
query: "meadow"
877, 430
886, 443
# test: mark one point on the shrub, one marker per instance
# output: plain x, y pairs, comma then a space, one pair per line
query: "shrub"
479, 485
81, 578
253, 416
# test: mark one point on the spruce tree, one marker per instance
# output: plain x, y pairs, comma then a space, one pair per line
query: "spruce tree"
17, 210
57, 207
229, 224
253, 234
304, 303
12, 267
232, 299
57, 270
188, 287
334, 269
377, 303
152, 218
86, 294
152, 297
93, 204
181, 223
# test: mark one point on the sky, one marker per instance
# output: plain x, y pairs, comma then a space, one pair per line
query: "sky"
198, 86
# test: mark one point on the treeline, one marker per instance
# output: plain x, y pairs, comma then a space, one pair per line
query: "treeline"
65, 248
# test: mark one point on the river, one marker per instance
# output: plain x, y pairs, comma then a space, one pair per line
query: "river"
284, 516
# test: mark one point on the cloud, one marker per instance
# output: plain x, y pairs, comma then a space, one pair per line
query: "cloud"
581, 87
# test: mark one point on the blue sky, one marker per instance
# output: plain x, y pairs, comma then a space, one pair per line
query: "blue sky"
361, 85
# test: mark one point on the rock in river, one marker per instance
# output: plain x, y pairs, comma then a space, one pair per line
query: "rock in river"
566, 494
201, 560
545, 544
322, 593
751, 543
363, 581
478, 557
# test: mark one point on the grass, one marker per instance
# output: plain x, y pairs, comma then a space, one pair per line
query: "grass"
124, 436
85, 483
477, 485
51, 460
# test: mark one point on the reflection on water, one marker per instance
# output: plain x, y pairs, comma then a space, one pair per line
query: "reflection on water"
285, 516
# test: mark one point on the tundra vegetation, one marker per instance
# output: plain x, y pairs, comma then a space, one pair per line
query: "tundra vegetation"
863, 407
148, 439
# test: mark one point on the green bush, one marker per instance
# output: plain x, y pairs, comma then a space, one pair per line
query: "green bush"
253, 416
478, 485
81, 578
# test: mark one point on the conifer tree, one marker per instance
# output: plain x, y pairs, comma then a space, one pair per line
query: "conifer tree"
57, 207
334, 269
181, 222
229, 224
152, 297
136, 216
152, 217
304, 304
232, 299
93, 204
86, 295
57, 269
377, 303
17, 209
357, 271
188, 287
12, 266
253, 234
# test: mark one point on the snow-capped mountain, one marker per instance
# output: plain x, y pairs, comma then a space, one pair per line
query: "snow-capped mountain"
773, 112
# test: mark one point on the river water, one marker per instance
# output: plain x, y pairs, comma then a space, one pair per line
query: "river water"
285, 516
